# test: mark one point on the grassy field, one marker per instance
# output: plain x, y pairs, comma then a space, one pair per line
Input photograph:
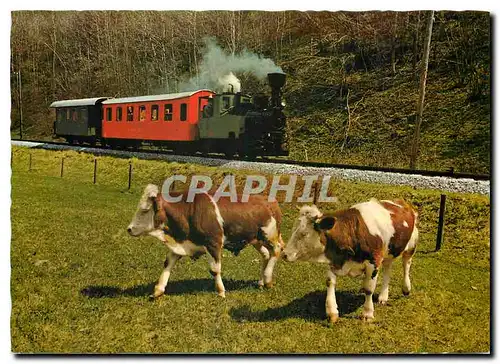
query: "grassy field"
81, 284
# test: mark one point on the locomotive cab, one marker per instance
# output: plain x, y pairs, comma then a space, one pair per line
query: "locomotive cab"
226, 103
222, 122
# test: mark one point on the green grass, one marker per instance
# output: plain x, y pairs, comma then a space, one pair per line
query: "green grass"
81, 284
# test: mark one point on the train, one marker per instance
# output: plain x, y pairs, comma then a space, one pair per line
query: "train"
201, 121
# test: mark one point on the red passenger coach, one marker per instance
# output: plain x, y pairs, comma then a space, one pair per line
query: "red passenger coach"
158, 119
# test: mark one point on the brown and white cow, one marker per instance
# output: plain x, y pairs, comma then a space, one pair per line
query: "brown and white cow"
206, 226
354, 241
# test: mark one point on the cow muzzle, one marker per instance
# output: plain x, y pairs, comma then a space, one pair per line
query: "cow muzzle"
288, 257
132, 231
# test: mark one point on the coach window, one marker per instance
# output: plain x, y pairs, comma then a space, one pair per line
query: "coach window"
142, 113
74, 114
226, 102
119, 113
83, 114
154, 112
183, 112
108, 114
168, 112
130, 113
61, 114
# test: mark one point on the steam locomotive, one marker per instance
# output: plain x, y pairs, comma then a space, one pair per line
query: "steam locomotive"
188, 122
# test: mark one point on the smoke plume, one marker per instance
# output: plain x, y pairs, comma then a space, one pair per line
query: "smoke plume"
217, 67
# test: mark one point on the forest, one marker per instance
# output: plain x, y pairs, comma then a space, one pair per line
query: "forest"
352, 77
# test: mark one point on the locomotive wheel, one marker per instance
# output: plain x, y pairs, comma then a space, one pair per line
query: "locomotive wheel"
247, 151
205, 148
230, 150
251, 156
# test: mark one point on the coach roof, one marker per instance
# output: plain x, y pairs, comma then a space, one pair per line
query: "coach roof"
78, 102
126, 100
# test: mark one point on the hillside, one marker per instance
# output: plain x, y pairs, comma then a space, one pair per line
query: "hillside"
455, 132
352, 80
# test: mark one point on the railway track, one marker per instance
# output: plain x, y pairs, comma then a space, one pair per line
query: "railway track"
152, 152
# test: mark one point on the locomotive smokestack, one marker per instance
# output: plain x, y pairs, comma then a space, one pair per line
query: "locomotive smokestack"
276, 80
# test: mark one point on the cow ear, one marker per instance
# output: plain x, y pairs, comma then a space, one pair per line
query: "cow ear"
148, 196
152, 191
326, 223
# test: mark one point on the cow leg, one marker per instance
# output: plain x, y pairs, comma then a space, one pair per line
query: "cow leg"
170, 261
271, 253
332, 311
281, 242
214, 259
384, 293
407, 257
369, 285
264, 253
268, 267
268, 271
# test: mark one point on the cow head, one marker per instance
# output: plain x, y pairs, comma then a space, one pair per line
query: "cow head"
144, 220
305, 243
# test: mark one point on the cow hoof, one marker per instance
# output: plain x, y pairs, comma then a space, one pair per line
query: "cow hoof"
222, 294
333, 318
382, 301
269, 285
366, 317
406, 293
157, 293
261, 284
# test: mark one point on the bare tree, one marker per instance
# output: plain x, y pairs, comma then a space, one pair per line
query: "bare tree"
421, 94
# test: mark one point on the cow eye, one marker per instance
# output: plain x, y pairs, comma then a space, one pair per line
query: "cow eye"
301, 233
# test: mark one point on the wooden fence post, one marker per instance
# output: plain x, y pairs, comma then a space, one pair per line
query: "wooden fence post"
129, 174
95, 170
442, 208
315, 192
62, 166
29, 168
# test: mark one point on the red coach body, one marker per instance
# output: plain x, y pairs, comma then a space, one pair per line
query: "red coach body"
170, 117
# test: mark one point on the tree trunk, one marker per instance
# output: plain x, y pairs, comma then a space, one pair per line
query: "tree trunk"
233, 33
54, 46
415, 47
421, 95
393, 56
393, 45
195, 51
348, 126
